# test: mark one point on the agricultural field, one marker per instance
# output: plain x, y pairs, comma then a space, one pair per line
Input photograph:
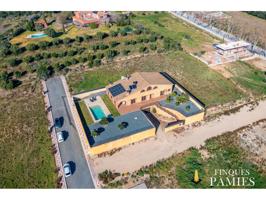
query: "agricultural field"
209, 86
247, 76
25, 145
191, 38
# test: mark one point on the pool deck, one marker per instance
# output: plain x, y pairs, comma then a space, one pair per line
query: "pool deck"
97, 102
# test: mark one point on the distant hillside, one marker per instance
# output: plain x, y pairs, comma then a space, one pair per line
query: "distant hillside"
259, 14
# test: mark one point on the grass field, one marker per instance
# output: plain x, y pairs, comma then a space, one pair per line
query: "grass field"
164, 23
83, 110
223, 152
249, 77
25, 145
110, 105
209, 86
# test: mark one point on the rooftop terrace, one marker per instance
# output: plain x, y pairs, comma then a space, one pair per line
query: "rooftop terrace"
136, 122
187, 109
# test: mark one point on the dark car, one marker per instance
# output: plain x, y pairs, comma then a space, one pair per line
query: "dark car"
57, 123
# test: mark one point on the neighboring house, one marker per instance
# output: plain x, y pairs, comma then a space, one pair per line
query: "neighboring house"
138, 90
84, 18
233, 50
42, 22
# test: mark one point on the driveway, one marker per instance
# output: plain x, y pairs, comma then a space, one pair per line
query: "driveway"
71, 149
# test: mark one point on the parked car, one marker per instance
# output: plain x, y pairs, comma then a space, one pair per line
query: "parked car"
67, 170
57, 123
60, 136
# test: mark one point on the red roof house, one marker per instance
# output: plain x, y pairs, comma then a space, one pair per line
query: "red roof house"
84, 18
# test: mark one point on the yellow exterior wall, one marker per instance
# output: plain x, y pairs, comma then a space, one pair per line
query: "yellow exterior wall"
137, 95
159, 111
195, 118
122, 142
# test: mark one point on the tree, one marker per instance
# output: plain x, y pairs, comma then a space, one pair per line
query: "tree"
5, 81
18, 74
97, 62
18, 31
42, 72
14, 62
114, 33
30, 25
101, 35
142, 49
43, 44
51, 32
15, 49
93, 25
28, 59
114, 43
125, 52
110, 54
57, 41
153, 47
32, 47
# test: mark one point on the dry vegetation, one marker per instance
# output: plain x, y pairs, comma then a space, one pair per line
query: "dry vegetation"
25, 145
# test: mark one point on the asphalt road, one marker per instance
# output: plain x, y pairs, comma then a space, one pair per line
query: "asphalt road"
71, 149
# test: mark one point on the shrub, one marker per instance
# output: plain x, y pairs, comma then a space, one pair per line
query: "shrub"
57, 41
18, 31
99, 55
30, 25
18, 74
125, 52
14, 62
43, 44
114, 43
51, 32
111, 54
123, 20
153, 38
94, 133
93, 25
142, 49
123, 32
79, 39
42, 72
46, 55
139, 40
101, 35
67, 41
71, 52
114, 33
104, 121
32, 47
28, 59
97, 62
153, 47
15, 49
103, 46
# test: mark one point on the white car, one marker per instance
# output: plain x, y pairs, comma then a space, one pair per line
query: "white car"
60, 136
67, 170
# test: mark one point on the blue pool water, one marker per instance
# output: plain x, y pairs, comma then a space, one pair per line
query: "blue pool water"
97, 112
38, 35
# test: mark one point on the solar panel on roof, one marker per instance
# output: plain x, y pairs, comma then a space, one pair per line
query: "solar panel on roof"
117, 89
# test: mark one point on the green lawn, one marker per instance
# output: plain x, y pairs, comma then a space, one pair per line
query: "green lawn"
249, 77
209, 86
169, 26
83, 110
25, 145
110, 105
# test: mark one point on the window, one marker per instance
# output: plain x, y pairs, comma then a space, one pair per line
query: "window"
162, 93
143, 98
155, 87
142, 91
149, 88
133, 101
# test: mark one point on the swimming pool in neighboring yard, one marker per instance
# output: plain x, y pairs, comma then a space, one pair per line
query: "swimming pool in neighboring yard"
97, 112
37, 35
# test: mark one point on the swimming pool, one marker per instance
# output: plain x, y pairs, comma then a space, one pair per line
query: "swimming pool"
37, 35
97, 112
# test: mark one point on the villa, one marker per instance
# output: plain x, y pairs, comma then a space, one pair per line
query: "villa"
138, 90
84, 18
143, 101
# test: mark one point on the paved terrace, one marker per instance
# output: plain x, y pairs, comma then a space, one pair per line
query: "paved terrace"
137, 122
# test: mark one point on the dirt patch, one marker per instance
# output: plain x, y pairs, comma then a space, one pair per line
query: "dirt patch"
222, 69
259, 63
